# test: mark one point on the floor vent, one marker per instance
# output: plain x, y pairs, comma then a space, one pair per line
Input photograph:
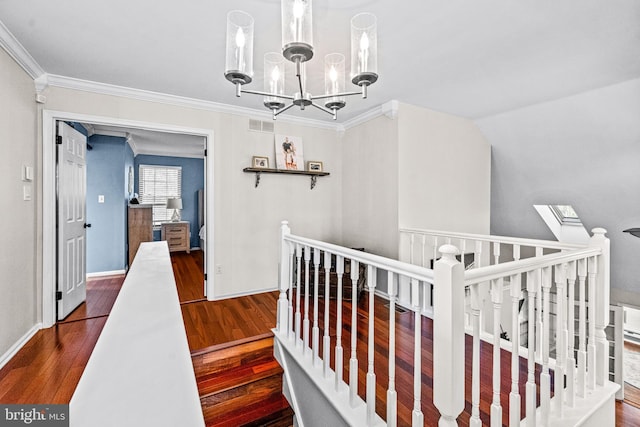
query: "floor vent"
261, 126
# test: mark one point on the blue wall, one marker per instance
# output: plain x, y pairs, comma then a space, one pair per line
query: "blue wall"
192, 181
106, 170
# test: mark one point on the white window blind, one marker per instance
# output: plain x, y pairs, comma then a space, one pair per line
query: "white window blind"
156, 184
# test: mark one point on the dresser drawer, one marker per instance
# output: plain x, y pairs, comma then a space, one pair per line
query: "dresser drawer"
177, 235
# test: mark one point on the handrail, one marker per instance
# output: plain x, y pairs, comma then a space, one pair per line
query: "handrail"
490, 238
413, 271
510, 268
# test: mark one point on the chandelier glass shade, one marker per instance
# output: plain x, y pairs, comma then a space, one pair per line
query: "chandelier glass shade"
297, 47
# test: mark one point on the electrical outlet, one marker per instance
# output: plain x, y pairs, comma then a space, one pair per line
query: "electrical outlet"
101, 198
218, 269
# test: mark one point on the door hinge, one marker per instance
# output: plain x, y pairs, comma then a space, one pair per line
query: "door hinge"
58, 139
58, 295
205, 152
205, 276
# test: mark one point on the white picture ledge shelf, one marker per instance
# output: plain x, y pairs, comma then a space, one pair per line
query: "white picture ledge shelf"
259, 171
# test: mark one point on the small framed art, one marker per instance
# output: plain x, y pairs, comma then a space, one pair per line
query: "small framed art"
260, 162
313, 166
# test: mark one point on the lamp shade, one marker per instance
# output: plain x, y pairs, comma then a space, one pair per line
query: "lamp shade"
273, 79
239, 53
334, 79
174, 203
364, 49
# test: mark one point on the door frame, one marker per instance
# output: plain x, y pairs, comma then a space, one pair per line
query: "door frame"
49, 180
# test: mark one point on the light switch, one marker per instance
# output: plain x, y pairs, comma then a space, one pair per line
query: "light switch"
26, 192
101, 198
27, 173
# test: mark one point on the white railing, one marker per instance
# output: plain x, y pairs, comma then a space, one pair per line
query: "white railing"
304, 261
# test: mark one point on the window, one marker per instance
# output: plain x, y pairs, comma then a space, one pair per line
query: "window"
565, 214
156, 185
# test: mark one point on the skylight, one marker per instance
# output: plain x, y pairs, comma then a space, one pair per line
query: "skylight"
565, 214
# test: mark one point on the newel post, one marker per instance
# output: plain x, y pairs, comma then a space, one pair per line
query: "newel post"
448, 337
284, 279
602, 304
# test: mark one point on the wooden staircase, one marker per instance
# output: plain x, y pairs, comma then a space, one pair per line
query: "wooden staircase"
240, 384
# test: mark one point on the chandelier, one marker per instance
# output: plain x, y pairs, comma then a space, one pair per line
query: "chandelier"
297, 47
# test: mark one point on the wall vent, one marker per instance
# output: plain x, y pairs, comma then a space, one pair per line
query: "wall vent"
261, 126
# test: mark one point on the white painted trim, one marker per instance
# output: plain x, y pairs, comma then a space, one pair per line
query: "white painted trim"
49, 118
180, 101
106, 273
389, 109
15, 49
15, 348
241, 294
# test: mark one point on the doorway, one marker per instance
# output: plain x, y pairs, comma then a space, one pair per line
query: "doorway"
50, 251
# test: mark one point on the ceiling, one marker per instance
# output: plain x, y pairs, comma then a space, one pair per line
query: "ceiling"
470, 58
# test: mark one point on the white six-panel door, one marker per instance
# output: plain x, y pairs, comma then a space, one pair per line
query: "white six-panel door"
72, 248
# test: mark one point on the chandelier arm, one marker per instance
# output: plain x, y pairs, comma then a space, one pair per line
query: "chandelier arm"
336, 95
282, 110
326, 110
273, 95
299, 75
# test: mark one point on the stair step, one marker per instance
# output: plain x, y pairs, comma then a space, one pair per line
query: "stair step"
221, 381
232, 355
241, 398
271, 412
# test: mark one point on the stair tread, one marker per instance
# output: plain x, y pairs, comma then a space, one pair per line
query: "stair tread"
241, 397
205, 363
224, 380
266, 412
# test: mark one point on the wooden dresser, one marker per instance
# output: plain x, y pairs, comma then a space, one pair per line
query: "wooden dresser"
140, 227
177, 235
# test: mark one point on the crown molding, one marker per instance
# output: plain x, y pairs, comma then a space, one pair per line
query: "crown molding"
15, 49
389, 109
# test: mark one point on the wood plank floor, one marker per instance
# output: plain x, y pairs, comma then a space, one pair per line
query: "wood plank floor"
47, 369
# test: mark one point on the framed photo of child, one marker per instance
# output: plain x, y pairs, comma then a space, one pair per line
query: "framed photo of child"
289, 153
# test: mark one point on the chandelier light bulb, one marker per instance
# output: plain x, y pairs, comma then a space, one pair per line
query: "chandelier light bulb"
240, 40
298, 9
275, 74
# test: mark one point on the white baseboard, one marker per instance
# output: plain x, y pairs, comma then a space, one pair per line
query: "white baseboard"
8, 355
106, 273
242, 294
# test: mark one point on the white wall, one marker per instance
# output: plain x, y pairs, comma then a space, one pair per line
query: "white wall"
18, 262
370, 186
247, 219
581, 151
444, 172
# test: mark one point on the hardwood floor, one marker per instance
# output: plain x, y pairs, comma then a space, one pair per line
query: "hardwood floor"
47, 369
188, 270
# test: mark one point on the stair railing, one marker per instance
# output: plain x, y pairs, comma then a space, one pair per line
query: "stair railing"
538, 278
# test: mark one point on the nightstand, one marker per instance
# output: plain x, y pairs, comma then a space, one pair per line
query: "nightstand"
177, 235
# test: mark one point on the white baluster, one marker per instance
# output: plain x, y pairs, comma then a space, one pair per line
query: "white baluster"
315, 332
291, 332
531, 403
371, 375
285, 283
539, 329
305, 322
496, 299
475, 362
571, 318
392, 395
561, 338
582, 329
417, 417
326, 342
496, 252
298, 292
338, 352
514, 397
602, 296
592, 267
448, 337
353, 362
545, 377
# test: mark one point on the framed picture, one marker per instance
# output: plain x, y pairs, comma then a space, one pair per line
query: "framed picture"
260, 162
314, 166
289, 153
